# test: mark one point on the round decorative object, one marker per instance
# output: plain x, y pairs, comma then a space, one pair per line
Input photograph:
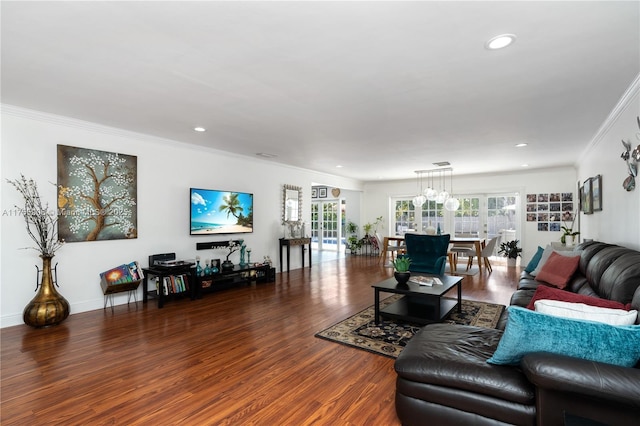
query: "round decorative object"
431, 194
452, 204
48, 307
335, 192
227, 265
402, 277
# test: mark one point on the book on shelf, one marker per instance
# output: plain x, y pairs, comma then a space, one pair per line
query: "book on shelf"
418, 279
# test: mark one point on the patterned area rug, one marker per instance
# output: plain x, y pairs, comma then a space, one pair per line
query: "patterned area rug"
389, 338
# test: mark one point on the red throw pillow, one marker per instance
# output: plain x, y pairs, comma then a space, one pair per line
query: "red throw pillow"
558, 270
544, 292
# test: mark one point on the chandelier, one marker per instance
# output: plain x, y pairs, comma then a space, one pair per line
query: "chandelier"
441, 195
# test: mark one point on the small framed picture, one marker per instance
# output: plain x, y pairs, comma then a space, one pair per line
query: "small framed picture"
587, 197
314, 192
322, 193
596, 193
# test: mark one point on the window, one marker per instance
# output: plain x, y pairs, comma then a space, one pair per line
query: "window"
405, 214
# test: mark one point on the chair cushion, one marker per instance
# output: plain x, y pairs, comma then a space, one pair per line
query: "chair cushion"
529, 331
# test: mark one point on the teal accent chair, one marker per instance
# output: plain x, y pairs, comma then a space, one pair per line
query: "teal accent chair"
428, 253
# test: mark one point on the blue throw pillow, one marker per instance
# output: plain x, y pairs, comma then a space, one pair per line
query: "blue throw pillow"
529, 331
534, 260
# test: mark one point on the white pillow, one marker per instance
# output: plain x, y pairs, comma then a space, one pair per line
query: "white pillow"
558, 308
545, 256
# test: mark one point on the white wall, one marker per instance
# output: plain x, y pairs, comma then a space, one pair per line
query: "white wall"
619, 220
377, 196
166, 171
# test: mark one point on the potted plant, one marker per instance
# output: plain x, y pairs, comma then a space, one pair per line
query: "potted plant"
511, 251
568, 238
353, 242
401, 269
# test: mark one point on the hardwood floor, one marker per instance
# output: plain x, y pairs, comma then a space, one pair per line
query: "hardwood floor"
242, 356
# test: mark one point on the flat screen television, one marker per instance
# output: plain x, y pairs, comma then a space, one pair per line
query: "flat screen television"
220, 212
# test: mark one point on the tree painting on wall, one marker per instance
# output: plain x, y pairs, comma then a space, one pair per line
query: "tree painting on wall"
97, 195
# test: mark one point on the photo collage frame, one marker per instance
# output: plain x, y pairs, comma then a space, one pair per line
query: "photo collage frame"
550, 210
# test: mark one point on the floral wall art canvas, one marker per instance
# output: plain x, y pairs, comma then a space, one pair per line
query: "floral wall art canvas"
97, 195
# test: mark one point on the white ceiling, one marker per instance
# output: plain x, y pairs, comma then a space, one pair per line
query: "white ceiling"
381, 88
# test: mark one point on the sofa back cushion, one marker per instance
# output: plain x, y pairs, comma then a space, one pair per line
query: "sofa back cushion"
612, 272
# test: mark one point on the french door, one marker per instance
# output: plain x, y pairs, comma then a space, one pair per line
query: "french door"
488, 216
326, 227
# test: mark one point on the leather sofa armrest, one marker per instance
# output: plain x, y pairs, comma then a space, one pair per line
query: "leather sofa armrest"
591, 379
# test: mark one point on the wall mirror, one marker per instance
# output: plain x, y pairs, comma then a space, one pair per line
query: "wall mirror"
291, 203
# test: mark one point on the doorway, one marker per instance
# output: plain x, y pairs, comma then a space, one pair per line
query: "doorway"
326, 225
488, 216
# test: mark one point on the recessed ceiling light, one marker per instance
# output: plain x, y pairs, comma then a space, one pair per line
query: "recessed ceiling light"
520, 145
525, 165
339, 166
499, 42
199, 129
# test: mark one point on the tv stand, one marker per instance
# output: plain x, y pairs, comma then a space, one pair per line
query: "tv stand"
239, 275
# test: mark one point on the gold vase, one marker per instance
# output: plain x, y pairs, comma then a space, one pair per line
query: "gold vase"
48, 307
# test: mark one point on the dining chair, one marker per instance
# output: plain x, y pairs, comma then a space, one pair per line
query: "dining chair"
487, 251
463, 249
393, 250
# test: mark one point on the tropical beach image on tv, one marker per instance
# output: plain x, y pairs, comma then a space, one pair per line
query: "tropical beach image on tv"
220, 212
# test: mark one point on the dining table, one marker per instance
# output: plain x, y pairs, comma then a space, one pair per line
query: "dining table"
477, 243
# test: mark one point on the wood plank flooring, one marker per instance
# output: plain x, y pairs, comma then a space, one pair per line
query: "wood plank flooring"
245, 356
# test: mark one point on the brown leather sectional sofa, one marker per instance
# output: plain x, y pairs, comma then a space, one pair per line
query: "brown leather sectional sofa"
444, 379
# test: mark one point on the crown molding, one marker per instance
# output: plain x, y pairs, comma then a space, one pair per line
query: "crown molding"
625, 100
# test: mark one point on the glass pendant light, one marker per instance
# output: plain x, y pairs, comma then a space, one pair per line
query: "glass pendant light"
452, 203
419, 199
443, 195
431, 193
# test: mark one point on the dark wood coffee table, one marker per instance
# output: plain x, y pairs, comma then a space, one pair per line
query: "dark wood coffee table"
421, 304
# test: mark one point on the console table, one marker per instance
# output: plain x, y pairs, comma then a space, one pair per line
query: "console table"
288, 242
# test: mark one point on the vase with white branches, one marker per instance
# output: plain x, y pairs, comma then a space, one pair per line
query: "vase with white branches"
48, 307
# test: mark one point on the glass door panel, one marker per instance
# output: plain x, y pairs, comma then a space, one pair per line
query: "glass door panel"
325, 225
